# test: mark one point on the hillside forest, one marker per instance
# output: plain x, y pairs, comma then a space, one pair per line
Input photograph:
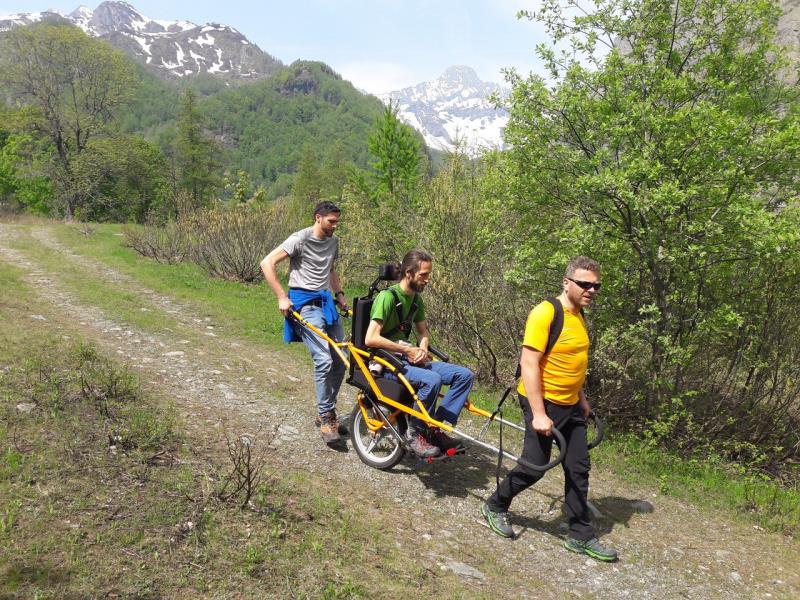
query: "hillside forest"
664, 142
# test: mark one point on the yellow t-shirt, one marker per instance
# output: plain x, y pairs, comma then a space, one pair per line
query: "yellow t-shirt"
564, 368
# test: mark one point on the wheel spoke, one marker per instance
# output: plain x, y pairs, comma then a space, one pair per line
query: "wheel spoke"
372, 444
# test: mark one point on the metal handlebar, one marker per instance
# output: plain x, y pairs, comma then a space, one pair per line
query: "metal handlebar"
562, 449
391, 359
599, 430
442, 356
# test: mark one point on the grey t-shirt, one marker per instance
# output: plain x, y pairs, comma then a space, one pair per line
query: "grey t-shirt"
310, 259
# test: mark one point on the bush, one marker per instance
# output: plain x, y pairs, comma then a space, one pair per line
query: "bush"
230, 242
168, 244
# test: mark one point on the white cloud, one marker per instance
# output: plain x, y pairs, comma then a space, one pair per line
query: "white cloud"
378, 77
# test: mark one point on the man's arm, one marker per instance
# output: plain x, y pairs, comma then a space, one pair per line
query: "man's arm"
336, 289
374, 339
423, 337
586, 408
532, 381
268, 267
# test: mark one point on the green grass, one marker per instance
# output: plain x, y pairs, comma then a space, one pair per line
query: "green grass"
244, 311
711, 484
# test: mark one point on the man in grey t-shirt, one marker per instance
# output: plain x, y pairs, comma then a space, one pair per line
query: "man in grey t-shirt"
312, 277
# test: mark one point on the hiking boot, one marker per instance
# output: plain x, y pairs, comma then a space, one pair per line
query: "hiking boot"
592, 548
441, 440
420, 445
329, 427
341, 426
499, 522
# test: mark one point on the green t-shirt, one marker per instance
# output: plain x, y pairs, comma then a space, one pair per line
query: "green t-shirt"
383, 309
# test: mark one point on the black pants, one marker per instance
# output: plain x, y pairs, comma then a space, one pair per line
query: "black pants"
536, 449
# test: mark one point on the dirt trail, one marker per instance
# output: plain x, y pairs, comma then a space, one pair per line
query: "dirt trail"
675, 551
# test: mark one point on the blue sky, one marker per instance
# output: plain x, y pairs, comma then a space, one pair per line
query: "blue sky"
377, 44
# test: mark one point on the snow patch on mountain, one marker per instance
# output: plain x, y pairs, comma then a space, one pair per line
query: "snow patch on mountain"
455, 108
204, 40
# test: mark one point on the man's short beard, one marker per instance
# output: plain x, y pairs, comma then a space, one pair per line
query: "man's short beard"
415, 287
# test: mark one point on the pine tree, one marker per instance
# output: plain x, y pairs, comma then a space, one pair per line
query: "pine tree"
397, 157
195, 154
306, 185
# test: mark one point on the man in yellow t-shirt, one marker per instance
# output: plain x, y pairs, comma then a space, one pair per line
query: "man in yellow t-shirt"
551, 395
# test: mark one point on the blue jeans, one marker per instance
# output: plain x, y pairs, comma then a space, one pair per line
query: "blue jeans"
328, 367
429, 379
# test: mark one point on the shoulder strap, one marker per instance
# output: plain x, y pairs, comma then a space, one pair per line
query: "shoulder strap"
404, 322
556, 327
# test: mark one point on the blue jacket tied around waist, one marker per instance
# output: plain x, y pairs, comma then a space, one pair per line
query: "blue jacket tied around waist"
300, 298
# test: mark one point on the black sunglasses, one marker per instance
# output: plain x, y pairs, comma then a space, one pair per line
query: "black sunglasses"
586, 285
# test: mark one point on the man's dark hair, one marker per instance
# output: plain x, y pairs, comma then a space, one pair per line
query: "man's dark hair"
582, 262
411, 261
324, 208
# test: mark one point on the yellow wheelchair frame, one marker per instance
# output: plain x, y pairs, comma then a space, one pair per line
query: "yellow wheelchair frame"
378, 419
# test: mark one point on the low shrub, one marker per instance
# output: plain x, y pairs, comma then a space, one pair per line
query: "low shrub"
168, 244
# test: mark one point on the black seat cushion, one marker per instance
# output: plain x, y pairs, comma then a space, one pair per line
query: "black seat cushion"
388, 387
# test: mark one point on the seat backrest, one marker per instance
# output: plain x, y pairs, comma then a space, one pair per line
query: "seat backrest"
361, 310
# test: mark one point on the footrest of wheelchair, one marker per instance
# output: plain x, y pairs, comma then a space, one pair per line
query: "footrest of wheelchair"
450, 453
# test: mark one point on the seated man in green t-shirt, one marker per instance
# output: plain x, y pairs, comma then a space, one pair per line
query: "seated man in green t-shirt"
394, 312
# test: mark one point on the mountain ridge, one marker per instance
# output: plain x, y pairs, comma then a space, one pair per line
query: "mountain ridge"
171, 49
455, 108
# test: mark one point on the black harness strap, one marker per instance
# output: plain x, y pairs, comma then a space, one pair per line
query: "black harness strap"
556, 327
405, 322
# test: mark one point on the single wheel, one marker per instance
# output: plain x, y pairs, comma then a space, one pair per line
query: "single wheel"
379, 449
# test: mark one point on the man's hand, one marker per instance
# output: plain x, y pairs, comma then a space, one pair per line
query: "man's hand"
416, 355
586, 408
343, 305
542, 424
284, 305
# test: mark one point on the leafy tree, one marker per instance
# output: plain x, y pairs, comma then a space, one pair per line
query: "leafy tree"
7, 179
668, 146
123, 180
23, 182
237, 187
73, 85
195, 153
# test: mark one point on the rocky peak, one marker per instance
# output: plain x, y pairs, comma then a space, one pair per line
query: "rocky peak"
454, 107
116, 16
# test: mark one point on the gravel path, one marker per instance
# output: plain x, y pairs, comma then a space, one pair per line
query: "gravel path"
668, 549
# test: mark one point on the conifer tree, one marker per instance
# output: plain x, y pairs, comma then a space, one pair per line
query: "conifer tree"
397, 157
195, 153
306, 184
